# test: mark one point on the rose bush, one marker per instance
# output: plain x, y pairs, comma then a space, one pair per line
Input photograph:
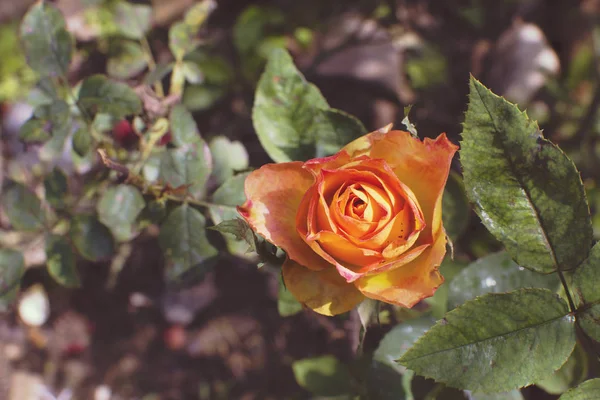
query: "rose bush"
366, 221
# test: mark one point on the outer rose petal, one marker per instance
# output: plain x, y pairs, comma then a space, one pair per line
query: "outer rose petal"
273, 195
407, 285
326, 292
423, 166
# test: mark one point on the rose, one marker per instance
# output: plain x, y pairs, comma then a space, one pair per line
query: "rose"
366, 221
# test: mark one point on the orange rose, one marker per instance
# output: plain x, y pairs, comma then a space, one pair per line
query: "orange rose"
366, 221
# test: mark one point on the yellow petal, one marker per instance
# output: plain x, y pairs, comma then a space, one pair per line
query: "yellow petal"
326, 292
407, 285
423, 166
274, 193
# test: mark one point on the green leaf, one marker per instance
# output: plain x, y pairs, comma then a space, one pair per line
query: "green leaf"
60, 261
98, 94
572, 373
133, 20
183, 127
45, 40
192, 72
455, 207
228, 157
224, 200
158, 73
495, 273
512, 395
497, 342
82, 142
386, 379
56, 188
182, 39
439, 301
585, 282
323, 376
183, 240
189, 164
199, 12
118, 208
12, 267
202, 97
23, 208
91, 239
48, 121
291, 117
588, 390
287, 305
240, 230
127, 59
527, 192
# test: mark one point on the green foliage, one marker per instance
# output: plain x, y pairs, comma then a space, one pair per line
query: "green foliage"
55, 188
494, 273
588, 390
529, 195
183, 240
291, 117
287, 305
573, 372
455, 207
12, 266
133, 20
323, 376
47, 44
497, 342
585, 282
91, 238
61, 261
23, 208
118, 207
126, 59
101, 95
229, 157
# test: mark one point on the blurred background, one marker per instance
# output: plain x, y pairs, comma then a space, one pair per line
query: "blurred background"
126, 335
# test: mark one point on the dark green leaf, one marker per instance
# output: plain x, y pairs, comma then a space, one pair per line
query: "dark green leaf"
45, 40
12, 267
118, 208
224, 200
98, 94
527, 192
291, 117
287, 305
183, 127
127, 59
240, 230
572, 373
48, 121
586, 281
228, 157
588, 390
323, 376
133, 20
82, 142
497, 342
495, 273
61, 261
91, 239
202, 97
183, 240
455, 207
386, 379
56, 188
251, 26
189, 164
23, 208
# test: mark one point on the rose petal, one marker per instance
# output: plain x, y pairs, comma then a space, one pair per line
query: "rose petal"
423, 166
274, 193
407, 285
323, 291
